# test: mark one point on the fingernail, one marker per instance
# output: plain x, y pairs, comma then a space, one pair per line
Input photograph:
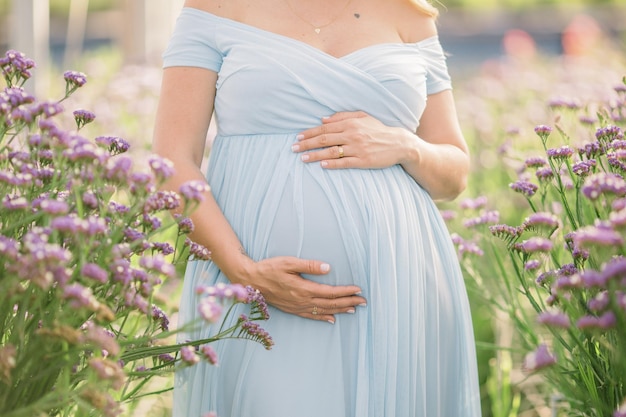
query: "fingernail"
300, 137
295, 147
331, 321
363, 305
324, 164
357, 293
325, 117
351, 311
325, 267
305, 157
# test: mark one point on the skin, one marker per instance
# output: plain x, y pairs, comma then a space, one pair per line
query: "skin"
435, 156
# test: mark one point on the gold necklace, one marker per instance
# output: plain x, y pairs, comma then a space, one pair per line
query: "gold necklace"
318, 28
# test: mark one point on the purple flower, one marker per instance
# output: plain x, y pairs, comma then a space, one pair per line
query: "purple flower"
161, 200
597, 235
9, 247
16, 66
15, 202
544, 174
197, 251
194, 190
614, 269
535, 162
603, 183
108, 370
591, 150
543, 132
532, 265
223, 292
189, 356
210, 309
104, 339
556, 319
256, 299
469, 247
185, 225
541, 219
255, 332
570, 104
114, 144
166, 358
209, 354
49, 109
485, 218
161, 167
157, 263
53, 207
74, 79
118, 168
621, 411
587, 119
609, 133
506, 232
90, 199
545, 277
83, 117
593, 279
584, 168
600, 302
562, 153
448, 215
524, 187
473, 204
94, 272
161, 317
80, 297
539, 359
604, 322
536, 244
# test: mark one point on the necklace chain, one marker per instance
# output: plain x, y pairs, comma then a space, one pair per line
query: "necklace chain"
318, 28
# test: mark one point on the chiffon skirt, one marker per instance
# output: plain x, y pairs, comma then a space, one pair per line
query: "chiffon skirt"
409, 352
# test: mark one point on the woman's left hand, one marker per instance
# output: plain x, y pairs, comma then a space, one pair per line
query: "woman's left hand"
353, 140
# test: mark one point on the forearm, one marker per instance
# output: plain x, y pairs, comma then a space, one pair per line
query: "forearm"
441, 169
212, 229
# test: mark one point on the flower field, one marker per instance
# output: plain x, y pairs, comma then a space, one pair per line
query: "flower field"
89, 257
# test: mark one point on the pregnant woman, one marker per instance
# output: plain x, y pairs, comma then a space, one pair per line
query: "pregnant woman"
336, 130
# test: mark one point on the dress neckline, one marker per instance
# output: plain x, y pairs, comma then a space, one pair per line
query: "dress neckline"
255, 29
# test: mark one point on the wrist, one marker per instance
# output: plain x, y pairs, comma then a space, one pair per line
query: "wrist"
240, 269
410, 148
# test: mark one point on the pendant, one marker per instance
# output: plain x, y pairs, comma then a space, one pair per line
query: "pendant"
317, 30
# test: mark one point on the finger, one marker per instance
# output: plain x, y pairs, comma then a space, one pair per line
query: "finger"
307, 266
326, 317
331, 152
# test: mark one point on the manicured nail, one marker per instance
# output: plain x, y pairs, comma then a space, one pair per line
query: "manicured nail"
324, 164
363, 305
305, 157
351, 311
300, 137
325, 117
295, 147
325, 267
357, 293
331, 321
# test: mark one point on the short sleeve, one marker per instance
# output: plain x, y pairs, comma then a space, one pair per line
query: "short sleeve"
437, 76
192, 43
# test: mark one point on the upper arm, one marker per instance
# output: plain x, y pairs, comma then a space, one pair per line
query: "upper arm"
184, 112
439, 123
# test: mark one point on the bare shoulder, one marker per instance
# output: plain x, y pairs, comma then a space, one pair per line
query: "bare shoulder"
412, 23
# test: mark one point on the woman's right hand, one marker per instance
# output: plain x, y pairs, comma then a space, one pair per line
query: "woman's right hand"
280, 281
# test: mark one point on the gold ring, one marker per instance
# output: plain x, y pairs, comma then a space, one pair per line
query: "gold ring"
340, 149
314, 312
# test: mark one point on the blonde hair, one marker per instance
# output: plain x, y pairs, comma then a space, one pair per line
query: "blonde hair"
425, 7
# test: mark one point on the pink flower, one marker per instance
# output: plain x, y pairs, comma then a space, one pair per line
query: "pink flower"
539, 359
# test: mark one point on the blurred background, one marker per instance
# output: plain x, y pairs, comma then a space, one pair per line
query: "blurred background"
515, 64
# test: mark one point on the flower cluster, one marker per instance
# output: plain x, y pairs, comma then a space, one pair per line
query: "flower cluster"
561, 268
86, 241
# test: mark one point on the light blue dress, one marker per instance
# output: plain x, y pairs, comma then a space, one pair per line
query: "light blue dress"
410, 352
